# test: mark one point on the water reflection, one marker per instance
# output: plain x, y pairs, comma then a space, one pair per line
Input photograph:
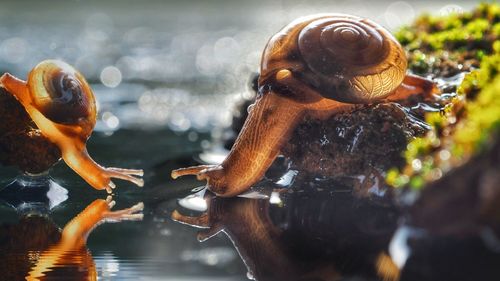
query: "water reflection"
311, 234
333, 231
33, 193
35, 248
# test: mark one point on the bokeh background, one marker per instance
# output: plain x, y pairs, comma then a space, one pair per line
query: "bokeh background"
175, 64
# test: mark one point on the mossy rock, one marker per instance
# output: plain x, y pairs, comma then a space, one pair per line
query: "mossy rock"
471, 122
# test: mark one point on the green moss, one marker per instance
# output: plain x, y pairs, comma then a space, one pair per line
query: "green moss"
472, 120
456, 37
452, 142
483, 116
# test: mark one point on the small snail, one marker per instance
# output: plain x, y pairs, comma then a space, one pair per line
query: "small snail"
62, 105
316, 66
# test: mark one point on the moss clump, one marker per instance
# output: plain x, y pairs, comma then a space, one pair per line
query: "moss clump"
446, 45
471, 122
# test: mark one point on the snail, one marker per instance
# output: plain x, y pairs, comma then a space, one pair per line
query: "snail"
61, 103
314, 67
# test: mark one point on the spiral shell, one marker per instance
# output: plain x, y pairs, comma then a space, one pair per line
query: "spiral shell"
346, 58
61, 93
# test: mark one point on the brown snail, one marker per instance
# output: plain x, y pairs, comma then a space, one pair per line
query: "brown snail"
62, 105
316, 66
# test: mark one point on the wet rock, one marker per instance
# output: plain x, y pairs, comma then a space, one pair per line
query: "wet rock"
21, 143
354, 143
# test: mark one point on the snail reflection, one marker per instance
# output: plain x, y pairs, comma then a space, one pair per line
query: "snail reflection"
306, 234
62, 105
36, 249
314, 67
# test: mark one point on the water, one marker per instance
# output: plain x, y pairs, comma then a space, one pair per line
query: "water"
166, 76
155, 248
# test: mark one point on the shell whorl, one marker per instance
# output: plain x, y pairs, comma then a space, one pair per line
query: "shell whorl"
347, 58
61, 93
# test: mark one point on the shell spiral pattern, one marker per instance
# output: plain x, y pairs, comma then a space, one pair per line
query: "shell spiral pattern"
61, 93
347, 58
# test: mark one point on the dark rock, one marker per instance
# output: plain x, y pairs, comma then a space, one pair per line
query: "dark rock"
354, 143
464, 200
21, 142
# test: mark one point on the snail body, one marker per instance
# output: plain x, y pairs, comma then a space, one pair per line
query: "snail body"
61, 103
316, 66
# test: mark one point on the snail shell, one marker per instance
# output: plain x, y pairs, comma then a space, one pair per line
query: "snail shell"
61, 93
348, 59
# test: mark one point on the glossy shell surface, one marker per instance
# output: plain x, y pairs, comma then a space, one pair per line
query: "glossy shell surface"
345, 58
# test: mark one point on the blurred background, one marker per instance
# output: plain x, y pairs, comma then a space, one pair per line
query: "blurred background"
167, 75
176, 64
